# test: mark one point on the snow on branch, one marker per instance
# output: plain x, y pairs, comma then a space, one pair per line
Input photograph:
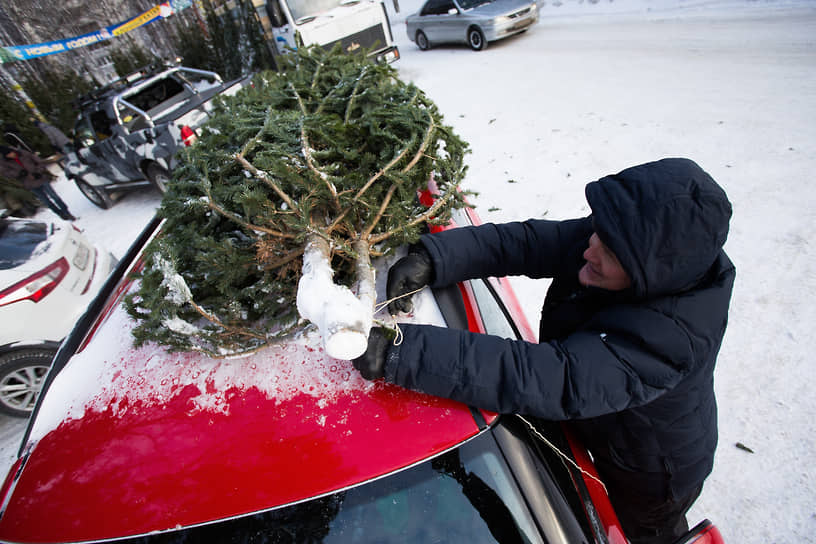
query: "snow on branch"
298, 180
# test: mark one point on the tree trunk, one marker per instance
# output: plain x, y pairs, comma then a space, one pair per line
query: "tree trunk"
343, 318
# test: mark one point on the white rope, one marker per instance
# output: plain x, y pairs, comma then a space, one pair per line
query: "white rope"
559, 452
382, 305
398, 339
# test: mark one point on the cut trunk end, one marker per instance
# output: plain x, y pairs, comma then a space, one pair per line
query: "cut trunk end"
346, 344
343, 318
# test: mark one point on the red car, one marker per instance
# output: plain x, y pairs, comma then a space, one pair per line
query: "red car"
289, 445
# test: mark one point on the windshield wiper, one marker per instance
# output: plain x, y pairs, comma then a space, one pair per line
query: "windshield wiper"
306, 19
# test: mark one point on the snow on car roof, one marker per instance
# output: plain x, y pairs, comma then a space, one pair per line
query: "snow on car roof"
133, 440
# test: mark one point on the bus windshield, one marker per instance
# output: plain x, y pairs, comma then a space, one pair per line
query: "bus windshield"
305, 8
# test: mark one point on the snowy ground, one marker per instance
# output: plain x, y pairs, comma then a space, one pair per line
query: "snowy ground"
599, 86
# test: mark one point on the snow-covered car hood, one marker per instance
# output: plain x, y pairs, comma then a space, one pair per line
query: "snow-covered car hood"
130, 440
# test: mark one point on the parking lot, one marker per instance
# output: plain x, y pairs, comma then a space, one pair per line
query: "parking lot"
587, 93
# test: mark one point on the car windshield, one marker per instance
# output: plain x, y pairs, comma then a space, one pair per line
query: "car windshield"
20, 241
465, 495
470, 4
162, 90
305, 8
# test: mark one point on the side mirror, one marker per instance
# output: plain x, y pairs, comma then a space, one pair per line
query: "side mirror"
275, 13
453, 11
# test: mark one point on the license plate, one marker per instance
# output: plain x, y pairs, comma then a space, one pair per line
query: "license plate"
522, 24
81, 257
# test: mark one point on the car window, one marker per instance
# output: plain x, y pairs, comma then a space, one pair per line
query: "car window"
153, 95
20, 241
437, 7
494, 316
83, 133
466, 495
470, 4
101, 124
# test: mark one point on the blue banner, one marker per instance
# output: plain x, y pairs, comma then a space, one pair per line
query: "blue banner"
13, 53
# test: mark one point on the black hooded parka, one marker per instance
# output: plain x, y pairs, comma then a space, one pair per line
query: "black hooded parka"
633, 369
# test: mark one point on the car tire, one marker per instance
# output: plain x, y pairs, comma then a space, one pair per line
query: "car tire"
98, 196
158, 176
422, 41
22, 374
476, 39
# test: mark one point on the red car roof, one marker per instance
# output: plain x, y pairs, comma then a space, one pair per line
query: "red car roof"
133, 440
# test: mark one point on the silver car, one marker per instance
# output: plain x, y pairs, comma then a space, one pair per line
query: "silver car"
475, 22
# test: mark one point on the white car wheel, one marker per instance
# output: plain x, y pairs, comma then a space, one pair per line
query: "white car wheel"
22, 374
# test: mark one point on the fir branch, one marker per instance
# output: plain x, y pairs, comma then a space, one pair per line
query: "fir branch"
286, 259
387, 167
306, 148
419, 154
316, 73
379, 174
247, 225
266, 179
425, 143
217, 322
330, 94
429, 214
252, 142
350, 104
380, 212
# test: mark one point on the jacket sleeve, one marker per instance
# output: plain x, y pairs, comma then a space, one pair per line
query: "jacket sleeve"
533, 248
590, 373
31, 162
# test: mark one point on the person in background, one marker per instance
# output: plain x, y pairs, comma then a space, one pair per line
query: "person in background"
58, 140
629, 335
27, 168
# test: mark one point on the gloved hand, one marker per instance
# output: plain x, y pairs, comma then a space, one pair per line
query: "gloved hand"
410, 273
371, 364
22, 174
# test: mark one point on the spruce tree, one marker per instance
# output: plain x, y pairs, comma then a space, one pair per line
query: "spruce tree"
315, 168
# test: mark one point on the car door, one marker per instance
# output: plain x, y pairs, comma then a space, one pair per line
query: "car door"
112, 141
101, 150
91, 154
438, 18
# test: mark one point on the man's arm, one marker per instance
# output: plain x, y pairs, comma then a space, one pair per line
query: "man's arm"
590, 373
533, 248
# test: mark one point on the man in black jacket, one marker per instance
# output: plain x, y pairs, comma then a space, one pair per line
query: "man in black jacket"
629, 334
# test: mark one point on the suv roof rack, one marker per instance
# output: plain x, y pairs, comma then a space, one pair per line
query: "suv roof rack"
122, 82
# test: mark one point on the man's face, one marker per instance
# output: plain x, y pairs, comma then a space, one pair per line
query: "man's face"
602, 268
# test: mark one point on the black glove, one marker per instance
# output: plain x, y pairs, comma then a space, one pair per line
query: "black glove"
410, 273
371, 364
22, 174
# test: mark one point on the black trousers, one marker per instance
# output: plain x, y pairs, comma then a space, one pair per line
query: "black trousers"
647, 510
48, 196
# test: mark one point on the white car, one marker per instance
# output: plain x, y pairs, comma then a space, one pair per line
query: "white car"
49, 272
